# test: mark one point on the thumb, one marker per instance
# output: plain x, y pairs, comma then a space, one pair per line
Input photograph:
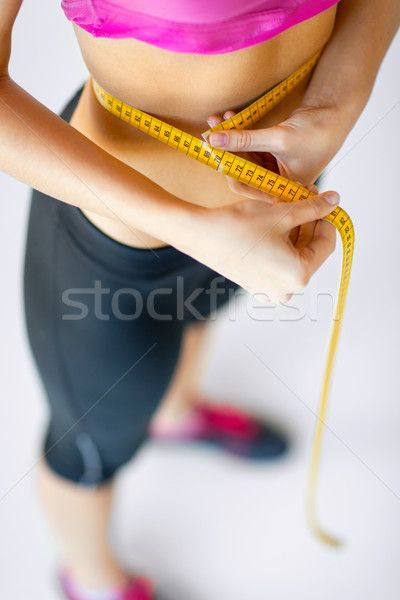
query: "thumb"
312, 209
271, 139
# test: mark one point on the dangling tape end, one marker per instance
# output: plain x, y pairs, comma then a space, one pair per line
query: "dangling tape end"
325, 537
330, 540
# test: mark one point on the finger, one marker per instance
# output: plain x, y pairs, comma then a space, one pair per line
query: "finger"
313, 188
273, 139
293, 235
312, 209
320, 247
305, 234
249, 192
228, 114
214, 120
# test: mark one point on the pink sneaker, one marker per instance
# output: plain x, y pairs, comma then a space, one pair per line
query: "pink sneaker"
225, 427
139, 588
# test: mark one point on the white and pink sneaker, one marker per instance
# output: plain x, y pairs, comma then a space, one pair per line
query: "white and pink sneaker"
140, 588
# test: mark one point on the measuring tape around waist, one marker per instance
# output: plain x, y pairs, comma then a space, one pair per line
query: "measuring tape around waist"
262, 179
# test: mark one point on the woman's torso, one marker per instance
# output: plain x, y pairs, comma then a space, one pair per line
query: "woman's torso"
183, 90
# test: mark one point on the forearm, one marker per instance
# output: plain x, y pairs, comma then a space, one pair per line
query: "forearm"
346, 72
38, 148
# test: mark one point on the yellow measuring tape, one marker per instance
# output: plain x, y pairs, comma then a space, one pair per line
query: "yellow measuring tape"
271, 183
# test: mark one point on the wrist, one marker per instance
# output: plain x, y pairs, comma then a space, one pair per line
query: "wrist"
344, 102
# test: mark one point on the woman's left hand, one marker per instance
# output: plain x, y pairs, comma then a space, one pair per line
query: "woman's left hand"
299, 148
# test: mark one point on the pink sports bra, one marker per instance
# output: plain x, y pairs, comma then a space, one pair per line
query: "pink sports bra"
197, 26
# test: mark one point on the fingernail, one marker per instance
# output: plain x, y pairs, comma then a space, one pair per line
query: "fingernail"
218, 139
210, 122
332, 197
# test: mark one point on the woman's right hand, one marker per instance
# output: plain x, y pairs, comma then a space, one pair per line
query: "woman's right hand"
271, 250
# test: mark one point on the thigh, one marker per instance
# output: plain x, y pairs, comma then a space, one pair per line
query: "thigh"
104, 359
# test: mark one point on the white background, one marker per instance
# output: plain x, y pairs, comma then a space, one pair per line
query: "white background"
203, 525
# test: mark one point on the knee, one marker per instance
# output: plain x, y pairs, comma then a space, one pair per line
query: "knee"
79, 458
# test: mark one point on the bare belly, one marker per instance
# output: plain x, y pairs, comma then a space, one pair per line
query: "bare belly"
183, 90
